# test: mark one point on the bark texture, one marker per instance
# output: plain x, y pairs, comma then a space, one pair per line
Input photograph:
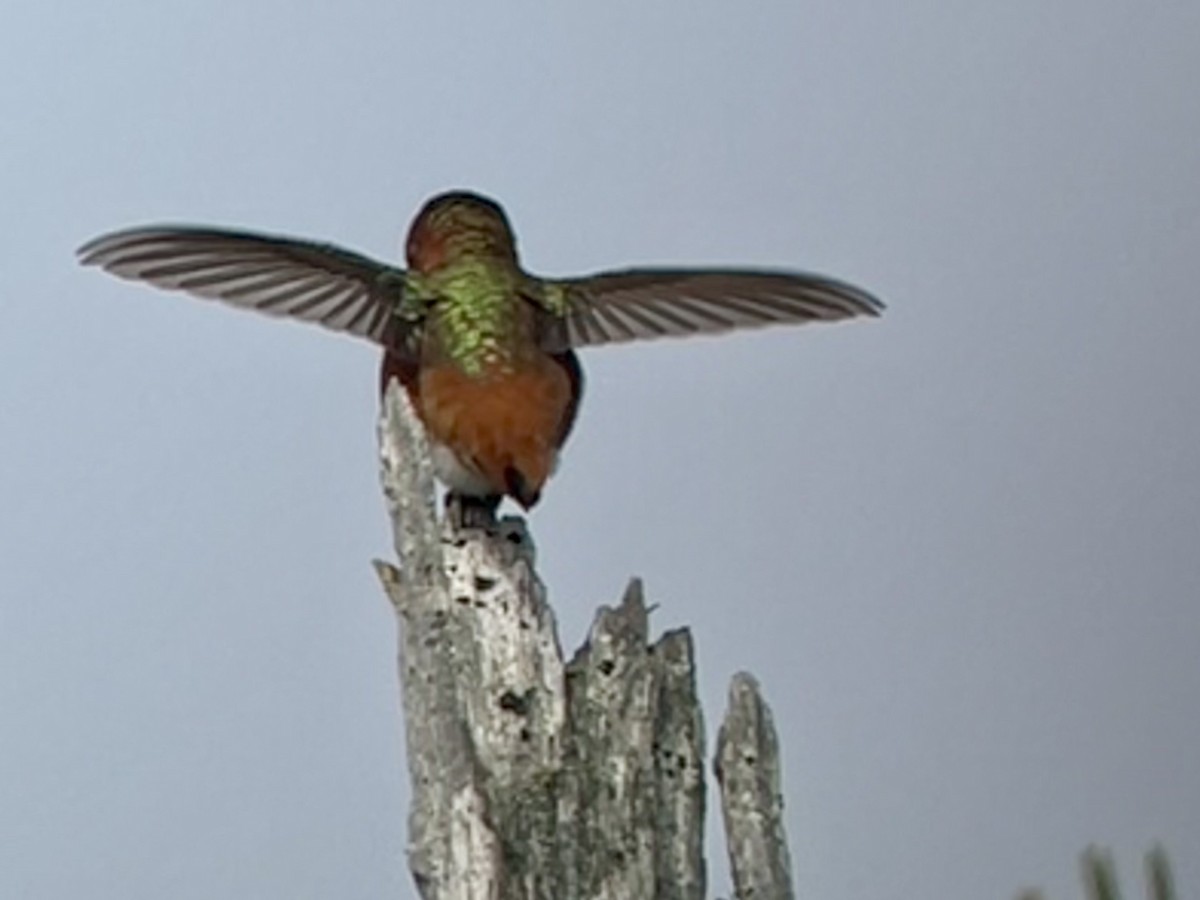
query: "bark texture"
747, 767
533, 777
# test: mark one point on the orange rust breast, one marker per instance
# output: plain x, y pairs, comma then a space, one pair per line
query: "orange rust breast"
510, 419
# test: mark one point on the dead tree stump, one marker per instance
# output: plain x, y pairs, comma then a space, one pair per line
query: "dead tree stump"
533, 777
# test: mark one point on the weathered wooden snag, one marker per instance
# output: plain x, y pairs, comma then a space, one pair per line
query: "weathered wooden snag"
538, 778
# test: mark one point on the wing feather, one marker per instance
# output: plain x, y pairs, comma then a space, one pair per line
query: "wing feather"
279, 276
643, 304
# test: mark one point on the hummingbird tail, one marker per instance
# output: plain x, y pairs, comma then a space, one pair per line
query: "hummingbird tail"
519, 488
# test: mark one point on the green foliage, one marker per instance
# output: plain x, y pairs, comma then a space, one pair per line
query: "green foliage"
1100, 876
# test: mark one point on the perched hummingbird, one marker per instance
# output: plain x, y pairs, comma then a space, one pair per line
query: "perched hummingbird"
485, 350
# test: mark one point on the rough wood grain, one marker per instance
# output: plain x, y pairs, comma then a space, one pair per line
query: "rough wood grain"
531, 777
747, 767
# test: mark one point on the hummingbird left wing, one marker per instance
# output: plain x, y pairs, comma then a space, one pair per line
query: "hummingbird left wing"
279, 276
641, 304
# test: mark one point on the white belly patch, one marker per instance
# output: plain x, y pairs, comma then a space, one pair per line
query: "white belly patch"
457, 476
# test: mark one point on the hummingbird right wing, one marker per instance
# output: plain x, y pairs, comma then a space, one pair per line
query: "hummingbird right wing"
279, 276
642, 304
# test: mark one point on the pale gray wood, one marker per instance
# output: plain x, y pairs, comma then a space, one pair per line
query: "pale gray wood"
481, 676
747, 767
633, 804
532, 777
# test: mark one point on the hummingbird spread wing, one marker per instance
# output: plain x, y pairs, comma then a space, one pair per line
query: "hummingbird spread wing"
639, 304
278, 276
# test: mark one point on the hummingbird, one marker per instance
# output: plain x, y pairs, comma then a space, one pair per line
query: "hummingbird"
484, 349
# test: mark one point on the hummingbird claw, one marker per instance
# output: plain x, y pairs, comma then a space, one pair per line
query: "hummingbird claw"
465, 511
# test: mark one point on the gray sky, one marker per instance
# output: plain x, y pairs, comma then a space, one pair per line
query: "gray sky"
960, 545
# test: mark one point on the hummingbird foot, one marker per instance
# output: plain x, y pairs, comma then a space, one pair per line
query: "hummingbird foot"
468, 511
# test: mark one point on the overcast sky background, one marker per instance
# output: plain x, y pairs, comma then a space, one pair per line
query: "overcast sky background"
960, 546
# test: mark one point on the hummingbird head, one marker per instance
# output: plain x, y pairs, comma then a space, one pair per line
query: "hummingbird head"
458, 225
